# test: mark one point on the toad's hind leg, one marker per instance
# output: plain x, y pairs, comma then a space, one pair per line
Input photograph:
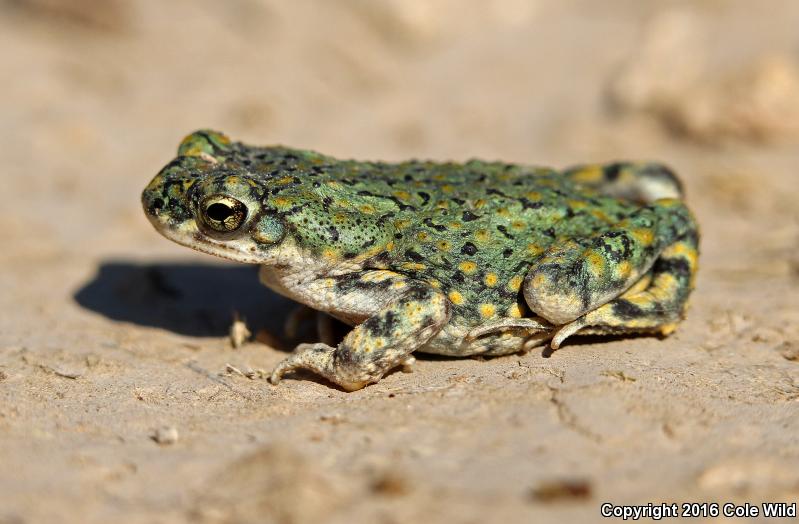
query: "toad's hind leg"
642, 182
575, 278
654, 307
379, 344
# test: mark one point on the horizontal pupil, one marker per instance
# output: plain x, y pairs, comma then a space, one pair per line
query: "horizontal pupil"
219, 212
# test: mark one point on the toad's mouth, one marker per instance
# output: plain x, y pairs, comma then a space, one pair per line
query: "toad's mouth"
188, 234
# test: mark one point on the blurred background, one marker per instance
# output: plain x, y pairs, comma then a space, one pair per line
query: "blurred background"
95, 95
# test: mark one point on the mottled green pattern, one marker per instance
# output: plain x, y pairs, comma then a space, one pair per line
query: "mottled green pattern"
498, 241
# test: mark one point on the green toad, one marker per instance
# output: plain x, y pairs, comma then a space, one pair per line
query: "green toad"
480, 258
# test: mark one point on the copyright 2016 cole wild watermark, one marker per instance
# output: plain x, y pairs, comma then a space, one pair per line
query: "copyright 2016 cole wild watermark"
699, 510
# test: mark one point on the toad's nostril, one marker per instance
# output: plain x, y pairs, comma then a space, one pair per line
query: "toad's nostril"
156, 205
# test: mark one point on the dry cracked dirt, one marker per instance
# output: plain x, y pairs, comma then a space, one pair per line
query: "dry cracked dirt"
121, 398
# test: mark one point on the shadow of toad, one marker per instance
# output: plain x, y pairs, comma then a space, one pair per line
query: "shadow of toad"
189, 299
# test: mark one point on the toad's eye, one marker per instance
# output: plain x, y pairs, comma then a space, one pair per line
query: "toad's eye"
222, 213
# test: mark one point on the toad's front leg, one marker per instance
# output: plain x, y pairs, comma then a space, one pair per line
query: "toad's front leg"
381, 343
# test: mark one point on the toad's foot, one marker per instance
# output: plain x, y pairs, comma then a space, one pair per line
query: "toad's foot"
381, 343
320, 358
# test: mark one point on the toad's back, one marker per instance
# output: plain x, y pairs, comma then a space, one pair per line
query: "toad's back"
472, 258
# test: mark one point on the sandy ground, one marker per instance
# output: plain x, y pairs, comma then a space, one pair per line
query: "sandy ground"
113, 339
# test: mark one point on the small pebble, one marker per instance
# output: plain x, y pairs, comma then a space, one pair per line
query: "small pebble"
166, 435
561, 490
789, 350
239, 332
390, 485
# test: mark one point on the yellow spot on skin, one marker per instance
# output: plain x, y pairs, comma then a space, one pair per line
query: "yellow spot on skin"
284, 180
533, 195
503, 212
534, 249
600, 215
518, 225
482, 235
390, 245
376, 276
402, 195
664, 285
398, 285
596, 263
444, 245
281, 203
456, 298
643, 236
479, 203
434, 283
413, 266
538, 281
643, 300
455, 225
515, 311
515, 283
157, 181
588, 175
193, 151
639, 286
468, 267
329, 254
576, 204
328, 283
422, 236
487, 310
681, 249
369, 253
402, 224
668, 329
624, 269
367, 208
669, 202
491, 279
333, 184
442, 204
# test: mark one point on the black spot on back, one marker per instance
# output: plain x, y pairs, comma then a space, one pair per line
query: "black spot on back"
469, 249
413, 255
612, 171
